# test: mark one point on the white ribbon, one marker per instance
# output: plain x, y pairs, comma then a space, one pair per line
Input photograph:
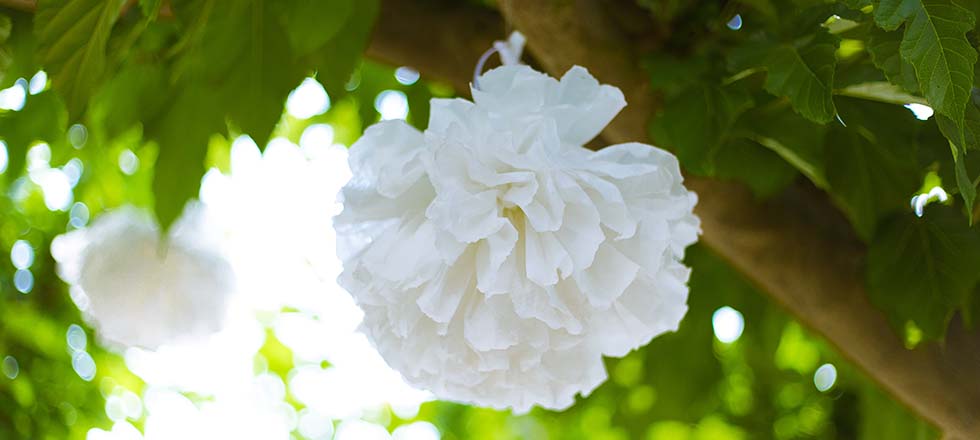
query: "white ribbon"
510, 53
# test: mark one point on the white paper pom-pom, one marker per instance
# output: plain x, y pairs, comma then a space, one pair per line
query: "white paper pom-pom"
497, 259
142, 291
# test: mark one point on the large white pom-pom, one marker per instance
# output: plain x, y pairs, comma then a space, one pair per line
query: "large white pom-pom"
496, 259
143, 291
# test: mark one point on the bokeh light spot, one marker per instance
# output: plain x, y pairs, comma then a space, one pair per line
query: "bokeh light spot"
77, 340
14, 97
307, 100
84, 365
825, 377
3, 157
735, 23
406, 75
10, 367
22, 254
38, 82
77, 136
391, 104
728, 324
129, 163
23, 281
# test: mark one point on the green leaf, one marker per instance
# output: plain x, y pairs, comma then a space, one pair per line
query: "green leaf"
971, 129
804, 73
252, 72
935, 44
885, 53
310, 24
43, 118
182, 137
797, 140
871, 164
695, 122
133, 95
669, 73
922, 269
72, 46
761, 169
339, 57
959, 146
963, 181
17, 49
881, 91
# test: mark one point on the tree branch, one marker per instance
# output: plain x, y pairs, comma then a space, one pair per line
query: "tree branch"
796, 248
19, 5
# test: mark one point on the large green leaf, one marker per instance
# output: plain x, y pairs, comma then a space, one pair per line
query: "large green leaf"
312, 23
884, 48
797, 140
923, 269
43, 118
130, 97
17, 47
935, 44
336, 60
871, 164
72, 46
804, 73
244, 56
182, 138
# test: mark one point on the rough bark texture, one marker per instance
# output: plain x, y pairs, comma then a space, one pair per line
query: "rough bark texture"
796, 248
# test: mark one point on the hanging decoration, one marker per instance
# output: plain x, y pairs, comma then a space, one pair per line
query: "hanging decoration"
139, 290
497, 260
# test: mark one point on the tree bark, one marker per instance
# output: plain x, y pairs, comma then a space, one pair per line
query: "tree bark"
797, 248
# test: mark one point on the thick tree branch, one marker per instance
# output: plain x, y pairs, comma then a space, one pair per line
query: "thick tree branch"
19, 5
794, 247
441, 39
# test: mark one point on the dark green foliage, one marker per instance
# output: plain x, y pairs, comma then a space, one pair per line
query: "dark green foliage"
923, 269
820, 85
871, 165
804, 72
884, 49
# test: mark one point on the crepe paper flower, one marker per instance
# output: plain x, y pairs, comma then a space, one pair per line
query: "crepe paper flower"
141, 290
496, 259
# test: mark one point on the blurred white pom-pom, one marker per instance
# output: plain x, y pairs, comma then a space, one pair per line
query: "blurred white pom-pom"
497, 259
143, 291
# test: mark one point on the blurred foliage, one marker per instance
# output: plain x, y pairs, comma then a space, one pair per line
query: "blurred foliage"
142, 99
